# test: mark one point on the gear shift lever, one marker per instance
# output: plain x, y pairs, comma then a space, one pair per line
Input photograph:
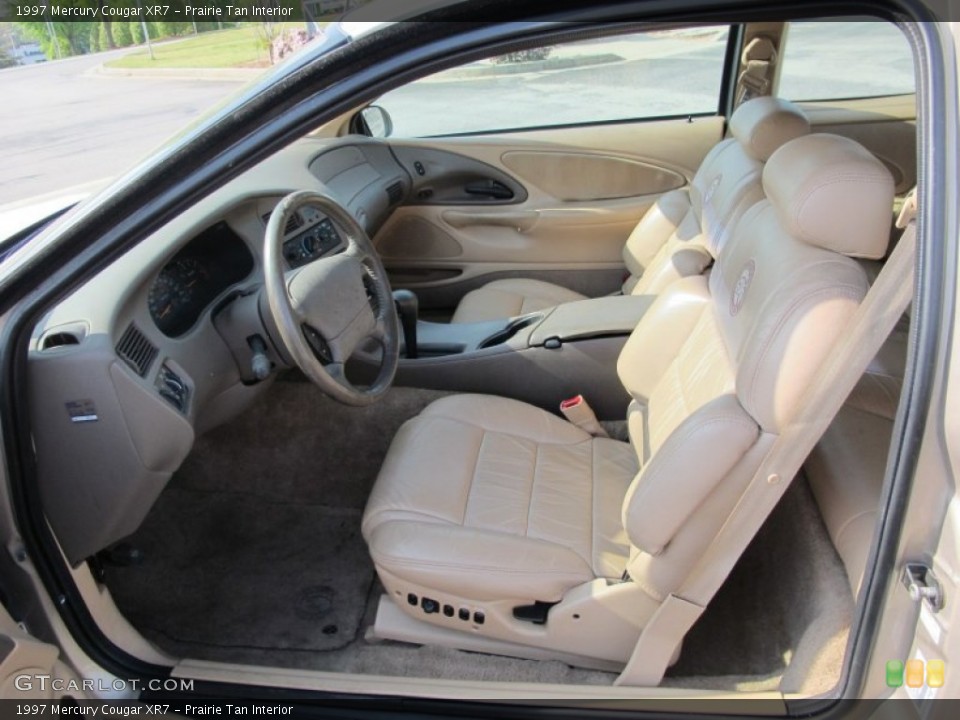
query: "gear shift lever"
407, 309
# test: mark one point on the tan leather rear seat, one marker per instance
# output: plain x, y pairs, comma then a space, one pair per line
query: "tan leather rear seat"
846, 469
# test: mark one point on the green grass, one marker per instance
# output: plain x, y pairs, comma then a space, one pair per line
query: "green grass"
238, 47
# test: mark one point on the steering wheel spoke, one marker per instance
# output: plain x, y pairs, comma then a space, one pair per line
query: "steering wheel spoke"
321, 348
338, 372
326, 310
356, 250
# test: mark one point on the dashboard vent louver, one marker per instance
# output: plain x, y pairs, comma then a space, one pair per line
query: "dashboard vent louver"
136, 350
395, 192
293, 223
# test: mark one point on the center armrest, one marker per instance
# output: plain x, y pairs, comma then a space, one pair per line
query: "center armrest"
596, 317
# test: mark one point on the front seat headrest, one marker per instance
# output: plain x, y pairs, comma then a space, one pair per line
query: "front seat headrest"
763, 124
813, 183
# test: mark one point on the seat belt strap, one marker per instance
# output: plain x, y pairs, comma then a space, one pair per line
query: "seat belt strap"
757, 61
868, 329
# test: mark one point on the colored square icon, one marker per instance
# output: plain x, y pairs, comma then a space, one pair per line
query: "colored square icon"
935, 671
894, 673
914, 673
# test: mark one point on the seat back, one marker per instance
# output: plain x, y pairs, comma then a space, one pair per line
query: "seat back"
717, 365
683, 232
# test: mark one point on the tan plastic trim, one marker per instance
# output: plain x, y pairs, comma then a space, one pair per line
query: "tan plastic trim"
394, 624
584, 696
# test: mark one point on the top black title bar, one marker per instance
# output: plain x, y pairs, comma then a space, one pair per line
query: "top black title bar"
176, 10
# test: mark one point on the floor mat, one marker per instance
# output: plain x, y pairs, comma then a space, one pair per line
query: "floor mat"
234, 570
297, 445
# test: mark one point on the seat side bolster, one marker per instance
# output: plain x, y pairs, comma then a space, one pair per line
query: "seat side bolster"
676, 481
655, 228
656, 341
477, 564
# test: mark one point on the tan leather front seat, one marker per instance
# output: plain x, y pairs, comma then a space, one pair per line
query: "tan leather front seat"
485, 505
683, 231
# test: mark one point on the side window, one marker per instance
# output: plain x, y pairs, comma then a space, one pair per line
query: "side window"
845, 60
610, 79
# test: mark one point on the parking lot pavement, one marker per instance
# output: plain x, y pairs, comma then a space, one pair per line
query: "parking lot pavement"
64, 125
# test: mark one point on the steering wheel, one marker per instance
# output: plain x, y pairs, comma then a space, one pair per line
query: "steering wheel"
328, 308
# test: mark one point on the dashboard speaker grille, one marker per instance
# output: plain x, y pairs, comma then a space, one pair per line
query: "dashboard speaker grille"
136, 350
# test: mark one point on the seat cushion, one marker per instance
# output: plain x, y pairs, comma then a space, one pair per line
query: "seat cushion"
846, 469
509, 298
490, 498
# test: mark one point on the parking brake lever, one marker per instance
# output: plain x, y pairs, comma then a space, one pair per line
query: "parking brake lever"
408, 309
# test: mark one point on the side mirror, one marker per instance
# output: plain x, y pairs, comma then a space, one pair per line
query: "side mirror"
373, 121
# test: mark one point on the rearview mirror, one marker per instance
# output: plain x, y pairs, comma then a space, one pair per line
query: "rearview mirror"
374, 121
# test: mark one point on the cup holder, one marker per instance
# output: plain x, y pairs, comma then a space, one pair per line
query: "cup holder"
511, 329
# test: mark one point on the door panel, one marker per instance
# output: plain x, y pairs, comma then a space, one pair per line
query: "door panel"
583, 190
575, 177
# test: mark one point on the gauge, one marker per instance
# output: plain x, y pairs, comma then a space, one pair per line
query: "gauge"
172, 295
189, 271
186, 286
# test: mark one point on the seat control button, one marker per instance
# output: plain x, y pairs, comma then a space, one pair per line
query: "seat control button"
430, 606
448, 610
412, 599
464, 614
479, 618
553, 343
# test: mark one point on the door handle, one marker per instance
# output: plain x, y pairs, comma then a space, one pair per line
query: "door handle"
489, 188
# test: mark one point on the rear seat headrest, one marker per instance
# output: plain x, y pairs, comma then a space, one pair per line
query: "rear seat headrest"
831, 192
763, 124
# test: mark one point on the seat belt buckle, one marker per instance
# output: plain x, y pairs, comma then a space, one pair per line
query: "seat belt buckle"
578, 411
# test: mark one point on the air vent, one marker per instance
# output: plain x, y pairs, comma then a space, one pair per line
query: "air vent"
59, 339
395, 192
293, 222
136, 350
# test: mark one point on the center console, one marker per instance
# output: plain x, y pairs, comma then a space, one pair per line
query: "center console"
540, 358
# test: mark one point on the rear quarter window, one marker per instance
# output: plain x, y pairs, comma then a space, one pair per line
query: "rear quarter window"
836, 60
